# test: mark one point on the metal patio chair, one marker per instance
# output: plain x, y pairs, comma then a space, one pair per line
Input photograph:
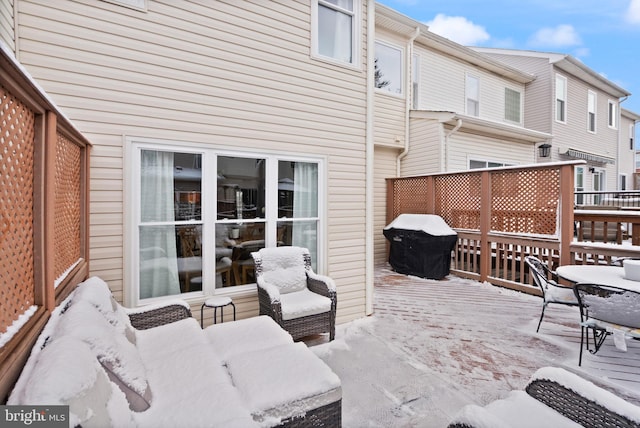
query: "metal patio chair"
547, 281
607, 310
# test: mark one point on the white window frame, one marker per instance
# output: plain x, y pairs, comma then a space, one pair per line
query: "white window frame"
632, 136
133, 149
592, 109
494, 164
356, 32
579, 176
560, 95
612, 114
400, 49
469, 96
623, 181
520, 102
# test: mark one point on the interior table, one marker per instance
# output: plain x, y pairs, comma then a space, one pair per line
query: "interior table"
595, 274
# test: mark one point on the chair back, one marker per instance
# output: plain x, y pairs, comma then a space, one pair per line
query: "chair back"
539, 271
612, 305
284, 267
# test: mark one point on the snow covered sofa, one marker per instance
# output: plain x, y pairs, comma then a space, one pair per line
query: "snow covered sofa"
554, 398
155, 367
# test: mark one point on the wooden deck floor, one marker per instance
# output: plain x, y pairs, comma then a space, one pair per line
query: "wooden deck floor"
483, 338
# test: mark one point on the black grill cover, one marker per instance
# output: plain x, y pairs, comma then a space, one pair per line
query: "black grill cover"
420, 245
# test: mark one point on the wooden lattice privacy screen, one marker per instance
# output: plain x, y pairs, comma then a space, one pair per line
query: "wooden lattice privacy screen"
44, 210
17, 144
519, 200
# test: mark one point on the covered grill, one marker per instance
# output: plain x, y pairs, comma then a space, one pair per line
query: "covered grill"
421, 245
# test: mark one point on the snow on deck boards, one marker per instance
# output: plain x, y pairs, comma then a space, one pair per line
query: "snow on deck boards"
483, 337
431, 347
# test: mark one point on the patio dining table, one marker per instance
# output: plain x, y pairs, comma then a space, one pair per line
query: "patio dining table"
596, 274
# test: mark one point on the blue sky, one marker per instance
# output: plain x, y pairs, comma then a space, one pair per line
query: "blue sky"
605, 35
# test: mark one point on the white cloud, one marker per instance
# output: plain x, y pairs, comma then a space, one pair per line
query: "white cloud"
558, 37
633, 12
459, 29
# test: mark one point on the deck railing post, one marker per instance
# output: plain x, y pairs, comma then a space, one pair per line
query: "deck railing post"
485, 225
566, 213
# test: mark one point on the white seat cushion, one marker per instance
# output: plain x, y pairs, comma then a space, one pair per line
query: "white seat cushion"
303, 303
283, 381
284, 267
247, 335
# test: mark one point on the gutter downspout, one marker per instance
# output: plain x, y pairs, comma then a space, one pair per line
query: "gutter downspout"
369, 160
446, 143
618, 156
409, 98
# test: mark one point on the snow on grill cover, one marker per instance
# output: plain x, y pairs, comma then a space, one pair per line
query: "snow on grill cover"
420, 245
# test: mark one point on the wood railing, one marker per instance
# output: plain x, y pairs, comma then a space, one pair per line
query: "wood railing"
502, 215
44, 211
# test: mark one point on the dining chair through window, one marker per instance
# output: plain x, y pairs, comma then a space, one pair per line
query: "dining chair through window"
547, 281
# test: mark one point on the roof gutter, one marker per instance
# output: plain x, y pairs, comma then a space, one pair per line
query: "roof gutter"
408, 98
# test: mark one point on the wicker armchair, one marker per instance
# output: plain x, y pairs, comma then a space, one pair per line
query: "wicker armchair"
302, 302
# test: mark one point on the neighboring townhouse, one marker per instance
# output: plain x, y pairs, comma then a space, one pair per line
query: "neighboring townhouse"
440, 106
578, 106
627, 151
218, 127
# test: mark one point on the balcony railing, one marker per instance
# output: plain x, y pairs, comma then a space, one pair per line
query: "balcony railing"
620, 198
502, 215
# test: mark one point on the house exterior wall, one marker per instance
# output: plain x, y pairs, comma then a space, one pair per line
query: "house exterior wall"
233, 76
425, 154
538, 103
7, 34
385, 161
463, 146
628, 129
574, 132
442, 85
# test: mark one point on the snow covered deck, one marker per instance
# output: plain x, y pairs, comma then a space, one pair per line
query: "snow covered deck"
432, 347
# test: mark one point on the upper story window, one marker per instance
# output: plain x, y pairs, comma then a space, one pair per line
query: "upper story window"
512, 103
612, 115
561, 98
472, 92
415, 81
388, 68
336, 30
632, 132
591, 111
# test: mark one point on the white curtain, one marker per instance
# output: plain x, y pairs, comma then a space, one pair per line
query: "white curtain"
158, 255
305, 205
335, 31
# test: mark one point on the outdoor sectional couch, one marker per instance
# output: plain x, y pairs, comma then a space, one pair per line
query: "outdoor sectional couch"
156, 367
555, 398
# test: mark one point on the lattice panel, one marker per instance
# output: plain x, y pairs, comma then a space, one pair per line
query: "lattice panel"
410, 196
67, 204
17, 145
458, 200
525, 201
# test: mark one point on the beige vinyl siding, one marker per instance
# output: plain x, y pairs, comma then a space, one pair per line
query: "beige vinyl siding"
232, 75
539, 102
627, 155
574, 133
442, 85
389, 119
7, 25
425, 148
464, 146
385, 162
